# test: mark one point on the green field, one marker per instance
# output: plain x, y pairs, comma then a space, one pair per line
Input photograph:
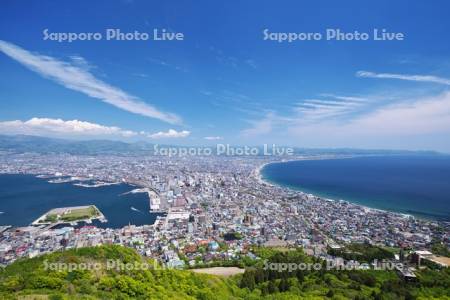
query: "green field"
80, 214
73, 215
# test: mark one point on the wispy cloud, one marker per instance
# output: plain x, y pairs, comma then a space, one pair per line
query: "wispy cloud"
168, 65
213, 138
59, 127
171, 133
232, 61
251, 63
347, 98
423, 116
328, 106
237, 101
78, 78
142, 75
80, 62
401, 125
419, 78
262, 126
308, 111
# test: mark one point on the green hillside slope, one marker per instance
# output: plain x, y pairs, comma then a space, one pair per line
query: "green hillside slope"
115, 272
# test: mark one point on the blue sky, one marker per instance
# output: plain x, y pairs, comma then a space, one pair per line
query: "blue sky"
224, 82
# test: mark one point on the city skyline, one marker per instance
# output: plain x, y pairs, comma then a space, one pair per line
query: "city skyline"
223, 82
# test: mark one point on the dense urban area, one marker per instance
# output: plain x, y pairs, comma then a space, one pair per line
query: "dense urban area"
216, 208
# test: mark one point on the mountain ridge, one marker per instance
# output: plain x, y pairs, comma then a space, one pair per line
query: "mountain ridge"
47, 145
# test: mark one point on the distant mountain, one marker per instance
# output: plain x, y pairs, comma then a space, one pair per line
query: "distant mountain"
45, 145
26, 143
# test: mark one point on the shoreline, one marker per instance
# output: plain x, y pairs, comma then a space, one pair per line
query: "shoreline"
258, 175
260, 178
86, 222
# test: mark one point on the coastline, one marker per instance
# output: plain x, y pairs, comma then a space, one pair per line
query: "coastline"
100, 220
260, 178
153, 198
258, 174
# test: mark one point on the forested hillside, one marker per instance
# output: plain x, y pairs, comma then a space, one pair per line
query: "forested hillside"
115, 272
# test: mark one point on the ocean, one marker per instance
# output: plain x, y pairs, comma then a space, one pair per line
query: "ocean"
418, 185
23, 198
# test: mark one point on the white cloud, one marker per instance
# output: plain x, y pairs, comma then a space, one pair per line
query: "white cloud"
58, 127
171, 133
76, 76
314, 109
259, 127
213, 138
424, 116
347, 98
420, 78
327, 107
421, 123
399, 125
75, 128
81, 62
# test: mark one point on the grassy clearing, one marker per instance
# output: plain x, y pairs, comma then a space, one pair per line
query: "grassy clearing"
81, 213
